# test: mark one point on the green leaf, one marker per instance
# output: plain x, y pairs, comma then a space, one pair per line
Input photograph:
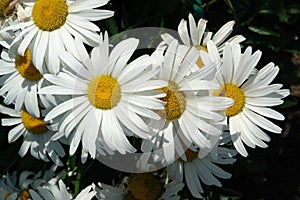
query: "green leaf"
229, 4
293, 51
282, 14
198, 10
288, 104
267, 11
112, 25
293, 9
263, 31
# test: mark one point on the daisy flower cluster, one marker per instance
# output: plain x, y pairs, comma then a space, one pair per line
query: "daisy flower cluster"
43, 185
66, 89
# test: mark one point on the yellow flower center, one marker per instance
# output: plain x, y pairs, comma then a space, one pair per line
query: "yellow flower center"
24, 195
190, 155
6, 195
129, 196
199, 61
26, 68
234, 92
145, 187
3, 7
49, 15
32, 124
175, 102
104, 92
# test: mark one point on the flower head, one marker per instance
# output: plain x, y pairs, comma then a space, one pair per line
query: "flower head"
110, 97
253, 96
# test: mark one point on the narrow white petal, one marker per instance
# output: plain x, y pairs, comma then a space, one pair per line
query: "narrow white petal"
245, 67
201, 26
84, 56
264, 101
256, 130
122, 51
132, 121
192, 180
66, 80
167, 38
55, 44
188, 128
267, 112
96, 14
120, 62
77, 6
91, 133
144, 101
58, 90
82, 22
170, 55
193, 30
262, 91
27, 39
134, 70
261, 121
74, 65
9, 111
68, 41
10, 121
146, 86
168, 144
228, 67
217, 171
236, 137
183, 32
250, 134
41, 50
31, 102
223, 32
24, 148
205, 175
64, 107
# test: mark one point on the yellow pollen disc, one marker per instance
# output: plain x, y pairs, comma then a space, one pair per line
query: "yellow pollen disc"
199, 61
145, 186
190, 155
32, 124
6, 195
104, 92
3, 6
49, 15
129, 196
24, 195
234, 92
175, 102
26, 68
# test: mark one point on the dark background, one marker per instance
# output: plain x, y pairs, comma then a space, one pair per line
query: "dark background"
269, 25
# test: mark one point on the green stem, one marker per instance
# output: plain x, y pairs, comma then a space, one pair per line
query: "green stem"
77, 182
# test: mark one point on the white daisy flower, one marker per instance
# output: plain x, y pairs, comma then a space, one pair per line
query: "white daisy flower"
7, 8
140, 186
17, 187
54, 192
253, 95
196, 166
190, 114
53, 26
20, 83
198, 37
109, 97
24, 186
11, 13
36, 135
